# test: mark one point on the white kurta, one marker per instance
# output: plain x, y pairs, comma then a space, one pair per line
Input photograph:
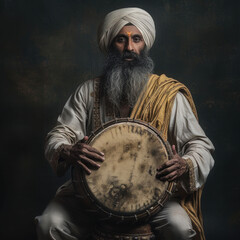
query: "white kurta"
76, 121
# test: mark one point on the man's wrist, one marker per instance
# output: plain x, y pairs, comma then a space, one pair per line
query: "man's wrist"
64, 153
190, 176
187, 166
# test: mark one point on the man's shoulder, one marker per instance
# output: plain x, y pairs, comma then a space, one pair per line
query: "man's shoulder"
87, 86
87, 83
163, 78
163, 81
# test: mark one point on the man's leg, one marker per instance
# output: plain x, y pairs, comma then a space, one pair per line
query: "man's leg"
64, 218
172, 223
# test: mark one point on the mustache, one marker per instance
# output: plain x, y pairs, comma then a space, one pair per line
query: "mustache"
130, 55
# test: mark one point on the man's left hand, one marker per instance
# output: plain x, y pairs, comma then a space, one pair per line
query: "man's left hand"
172, 169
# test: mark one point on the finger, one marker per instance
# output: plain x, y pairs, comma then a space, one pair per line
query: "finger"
173, 178
92, 155
169, 176
174, 150
89, 161
84, 167
91, 149
84, 139
168, 170
167, 164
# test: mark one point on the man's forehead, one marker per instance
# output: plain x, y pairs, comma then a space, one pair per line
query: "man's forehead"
130, 30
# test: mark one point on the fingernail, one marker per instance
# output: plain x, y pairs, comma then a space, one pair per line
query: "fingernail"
102, 153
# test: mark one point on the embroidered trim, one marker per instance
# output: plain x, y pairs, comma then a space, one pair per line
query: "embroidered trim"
191, 175
96, 107
109, 109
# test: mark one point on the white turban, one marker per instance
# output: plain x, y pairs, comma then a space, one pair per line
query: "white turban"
116, 20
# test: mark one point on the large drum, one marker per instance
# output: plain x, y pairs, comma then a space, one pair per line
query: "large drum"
125, 188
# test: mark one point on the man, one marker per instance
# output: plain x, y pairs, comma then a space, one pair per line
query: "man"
127, 88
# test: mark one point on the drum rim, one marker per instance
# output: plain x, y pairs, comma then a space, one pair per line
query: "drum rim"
109, 213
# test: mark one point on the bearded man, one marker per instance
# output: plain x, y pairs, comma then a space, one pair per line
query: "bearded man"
127, 88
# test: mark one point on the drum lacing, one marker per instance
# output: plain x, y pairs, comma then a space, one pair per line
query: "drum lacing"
170, 193
159, 202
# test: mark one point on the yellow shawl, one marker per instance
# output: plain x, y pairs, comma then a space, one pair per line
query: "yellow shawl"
154, 106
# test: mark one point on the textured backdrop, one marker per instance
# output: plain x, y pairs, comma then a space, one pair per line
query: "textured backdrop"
48, 47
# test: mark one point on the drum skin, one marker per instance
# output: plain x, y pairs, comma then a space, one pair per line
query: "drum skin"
125, 187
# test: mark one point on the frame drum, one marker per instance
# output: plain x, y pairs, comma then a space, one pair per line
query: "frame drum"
125, 187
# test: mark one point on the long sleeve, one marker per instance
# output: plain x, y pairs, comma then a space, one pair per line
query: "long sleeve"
72, 124
192, 143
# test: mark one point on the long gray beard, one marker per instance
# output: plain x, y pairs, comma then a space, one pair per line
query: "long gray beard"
123, 81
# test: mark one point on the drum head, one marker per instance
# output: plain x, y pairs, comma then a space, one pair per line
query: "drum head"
126, 184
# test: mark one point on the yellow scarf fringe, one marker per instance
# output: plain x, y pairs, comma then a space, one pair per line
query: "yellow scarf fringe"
154, 106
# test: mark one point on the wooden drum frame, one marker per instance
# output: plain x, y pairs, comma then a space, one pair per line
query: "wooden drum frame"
125, 188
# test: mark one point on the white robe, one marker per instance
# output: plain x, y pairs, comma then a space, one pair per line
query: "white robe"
76, 121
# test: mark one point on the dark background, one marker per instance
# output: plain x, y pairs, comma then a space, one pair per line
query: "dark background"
48, 47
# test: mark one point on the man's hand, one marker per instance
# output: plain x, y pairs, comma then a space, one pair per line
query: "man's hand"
172, 169
82, 154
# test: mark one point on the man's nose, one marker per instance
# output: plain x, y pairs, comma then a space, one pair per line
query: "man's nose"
129, 45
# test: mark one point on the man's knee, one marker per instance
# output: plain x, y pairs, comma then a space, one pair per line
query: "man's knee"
60, 222
53, 217
173, 222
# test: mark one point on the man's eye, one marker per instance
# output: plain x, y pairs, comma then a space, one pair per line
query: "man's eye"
136, 39
121, 39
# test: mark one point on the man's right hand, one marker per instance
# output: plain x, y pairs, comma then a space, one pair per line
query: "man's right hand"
82, 154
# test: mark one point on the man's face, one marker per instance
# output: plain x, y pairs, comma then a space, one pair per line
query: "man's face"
129, 39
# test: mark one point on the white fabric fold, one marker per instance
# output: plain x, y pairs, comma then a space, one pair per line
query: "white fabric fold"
190, 139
